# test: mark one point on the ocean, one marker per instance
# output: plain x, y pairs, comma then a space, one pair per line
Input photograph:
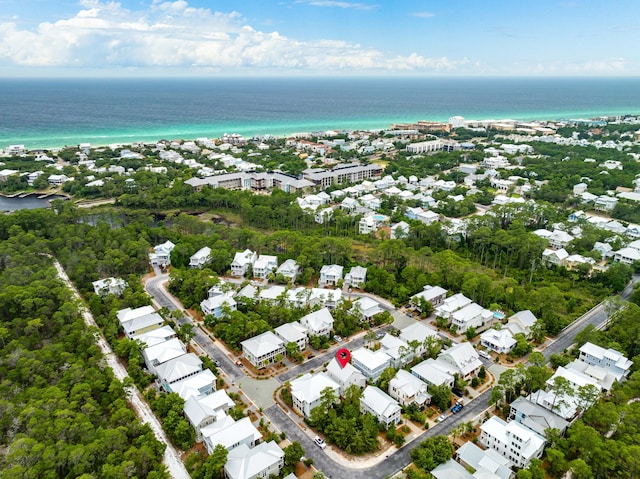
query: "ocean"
48, 113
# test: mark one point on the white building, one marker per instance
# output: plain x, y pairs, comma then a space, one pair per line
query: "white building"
434, 372
318, 323
161, 353
264, 460
261, 350
471, 316
288, 269
139, 320
370, 363
521, 322
230, 434
306, 391
205, 410
161, 255
178, 369
609, 359
330, 275
293, 332
451, 305
200, 257
382, 406
433, 294
216, 305
499, 341
345, 376
462, 359
418, 332
408, 389
511, 440
115, 286
367, 308
264, 265
242, 261
356, 277
201, 384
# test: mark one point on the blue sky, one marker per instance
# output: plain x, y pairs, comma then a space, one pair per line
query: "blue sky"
319, 37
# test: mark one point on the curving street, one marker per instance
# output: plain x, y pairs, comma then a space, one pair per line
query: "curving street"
283, 420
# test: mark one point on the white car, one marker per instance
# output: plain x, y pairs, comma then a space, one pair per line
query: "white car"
442, 417
320, 442
484, 354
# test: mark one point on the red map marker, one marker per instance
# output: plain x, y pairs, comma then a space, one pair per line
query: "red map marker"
343, 356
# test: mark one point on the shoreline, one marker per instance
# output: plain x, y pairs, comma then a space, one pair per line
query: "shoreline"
284, 130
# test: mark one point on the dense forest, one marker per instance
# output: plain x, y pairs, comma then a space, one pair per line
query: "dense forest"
63, 412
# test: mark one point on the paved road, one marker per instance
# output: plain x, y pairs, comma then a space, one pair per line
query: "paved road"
154, 287
596, 317
399, 459
390, 465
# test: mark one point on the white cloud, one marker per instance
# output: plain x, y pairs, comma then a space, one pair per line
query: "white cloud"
422, 14
338, 4
174, 35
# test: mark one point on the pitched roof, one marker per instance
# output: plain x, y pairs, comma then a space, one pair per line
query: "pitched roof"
197, 409
308, 387
178, 368
262, 344
192, 386
379, 402
245, 463
228, 433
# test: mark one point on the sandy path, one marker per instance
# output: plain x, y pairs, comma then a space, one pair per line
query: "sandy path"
171, 457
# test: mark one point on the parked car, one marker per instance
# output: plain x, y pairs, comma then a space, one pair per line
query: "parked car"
320, 442
380, 335
441, 417
457, 408
338, 339
484, 354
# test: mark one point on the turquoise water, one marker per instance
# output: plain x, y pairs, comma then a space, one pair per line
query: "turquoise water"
54, 113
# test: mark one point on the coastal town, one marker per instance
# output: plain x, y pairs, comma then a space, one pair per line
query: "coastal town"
435, 299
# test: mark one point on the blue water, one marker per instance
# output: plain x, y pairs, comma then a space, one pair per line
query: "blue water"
53, 113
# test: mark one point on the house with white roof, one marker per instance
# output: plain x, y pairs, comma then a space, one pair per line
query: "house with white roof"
462, 359
200, 257
511, 440
161, 255
471, 316
272, 294
435, 372
156, 336
328, 298
264, 265
60, 179
451, 305
330, 275
486, 463
162, 352
408, 389
345, 376
230, 434
264, 460
356, 277
521, 322
433, 294
216, 305
559, 239
535, 417
242, 261
366, 307
349, 204
399, 230
139, 320
293, 332
555, 257
418, 332
200, 385
178, 369
382, 406
609, 359
306, 391
205, 410
499, 341
261, 350
397, 349
428, 217
370, 363
115, 286
626, 255
289, 269
605, 249
318, 323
